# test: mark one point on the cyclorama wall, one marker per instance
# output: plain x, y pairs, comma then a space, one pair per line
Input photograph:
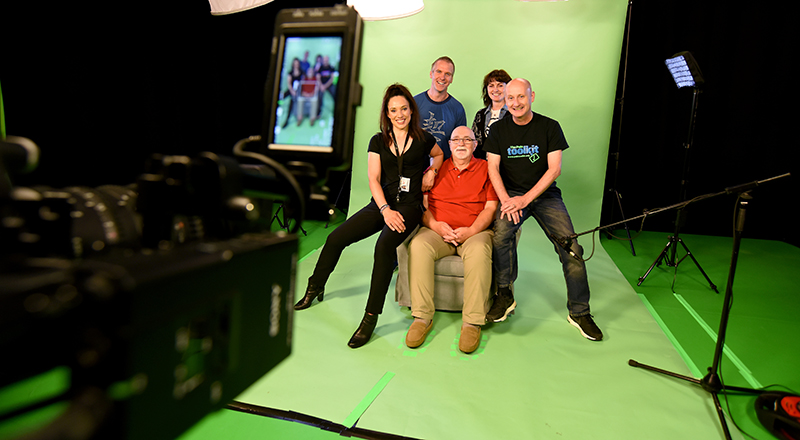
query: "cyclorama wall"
570, 51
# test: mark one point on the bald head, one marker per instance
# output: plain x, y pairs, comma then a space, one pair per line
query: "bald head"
462, 132
519, 98
520, 82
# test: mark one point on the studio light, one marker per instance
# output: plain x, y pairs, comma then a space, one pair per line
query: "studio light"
686, 73
224, 7
374, 10
684, 70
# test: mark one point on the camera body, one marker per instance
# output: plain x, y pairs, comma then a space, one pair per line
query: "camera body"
164, 300
160, 301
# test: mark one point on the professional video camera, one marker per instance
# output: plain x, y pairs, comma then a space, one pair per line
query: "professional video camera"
160, 301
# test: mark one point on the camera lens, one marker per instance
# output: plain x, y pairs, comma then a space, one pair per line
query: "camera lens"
102, 217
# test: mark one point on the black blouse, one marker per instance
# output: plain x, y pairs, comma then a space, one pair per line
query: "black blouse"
415, 161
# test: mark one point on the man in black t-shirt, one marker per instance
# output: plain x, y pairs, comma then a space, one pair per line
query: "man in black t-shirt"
524, 154
326, 75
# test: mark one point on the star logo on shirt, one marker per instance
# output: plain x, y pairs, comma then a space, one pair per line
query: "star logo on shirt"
432, 126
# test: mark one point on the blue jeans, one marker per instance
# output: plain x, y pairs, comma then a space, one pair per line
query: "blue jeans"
551, 214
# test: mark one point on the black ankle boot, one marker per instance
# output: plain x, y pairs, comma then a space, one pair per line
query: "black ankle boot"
364, 331
312, 291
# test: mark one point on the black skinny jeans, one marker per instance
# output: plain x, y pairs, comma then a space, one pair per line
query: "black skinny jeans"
359, 226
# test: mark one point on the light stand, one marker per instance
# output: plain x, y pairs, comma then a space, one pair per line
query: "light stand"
686, 73
615, 155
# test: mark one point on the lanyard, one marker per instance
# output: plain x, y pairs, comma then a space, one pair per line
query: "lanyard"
399, 155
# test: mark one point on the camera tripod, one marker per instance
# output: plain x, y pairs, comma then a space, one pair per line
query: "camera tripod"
285, 223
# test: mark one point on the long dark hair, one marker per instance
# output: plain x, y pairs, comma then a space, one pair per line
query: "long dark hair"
499, 75
414, 128
299, 66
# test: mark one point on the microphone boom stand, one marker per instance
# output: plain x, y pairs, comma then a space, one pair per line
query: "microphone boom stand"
711, 382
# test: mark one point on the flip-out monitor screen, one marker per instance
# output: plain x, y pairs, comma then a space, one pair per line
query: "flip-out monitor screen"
312, 87
305, 114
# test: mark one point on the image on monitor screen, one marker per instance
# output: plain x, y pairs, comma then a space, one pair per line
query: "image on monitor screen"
304, 114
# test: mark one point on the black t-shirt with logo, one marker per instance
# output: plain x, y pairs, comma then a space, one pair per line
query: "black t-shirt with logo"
523, 149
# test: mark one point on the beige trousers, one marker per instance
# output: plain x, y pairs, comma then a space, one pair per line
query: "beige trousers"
428, 246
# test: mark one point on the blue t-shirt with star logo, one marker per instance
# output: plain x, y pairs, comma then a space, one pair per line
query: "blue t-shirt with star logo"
440, 118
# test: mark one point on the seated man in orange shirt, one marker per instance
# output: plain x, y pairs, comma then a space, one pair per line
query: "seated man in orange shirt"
309, 92
460, 209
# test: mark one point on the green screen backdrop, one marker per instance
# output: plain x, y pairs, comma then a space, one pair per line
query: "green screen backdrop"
569, 50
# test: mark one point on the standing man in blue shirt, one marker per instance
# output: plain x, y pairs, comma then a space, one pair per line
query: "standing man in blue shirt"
439, 111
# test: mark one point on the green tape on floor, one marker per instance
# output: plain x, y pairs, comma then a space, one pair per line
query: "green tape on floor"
362, 406
685, 356
743, 370
307, 255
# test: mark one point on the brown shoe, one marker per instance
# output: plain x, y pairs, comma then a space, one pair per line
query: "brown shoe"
470, 338
417, 333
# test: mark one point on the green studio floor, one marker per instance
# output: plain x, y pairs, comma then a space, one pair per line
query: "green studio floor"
534, 376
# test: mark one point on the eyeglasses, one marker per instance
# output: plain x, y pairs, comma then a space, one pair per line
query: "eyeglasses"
465, 141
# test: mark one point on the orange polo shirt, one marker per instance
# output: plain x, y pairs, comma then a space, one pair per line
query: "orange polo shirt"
458, 197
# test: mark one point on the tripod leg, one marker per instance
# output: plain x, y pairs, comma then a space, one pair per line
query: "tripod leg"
286, 221
618, 199
689, 253
627, 230
721, 415
657, 262
277, 217
633, 363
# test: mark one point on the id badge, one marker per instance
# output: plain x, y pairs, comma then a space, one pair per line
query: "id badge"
405, 184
